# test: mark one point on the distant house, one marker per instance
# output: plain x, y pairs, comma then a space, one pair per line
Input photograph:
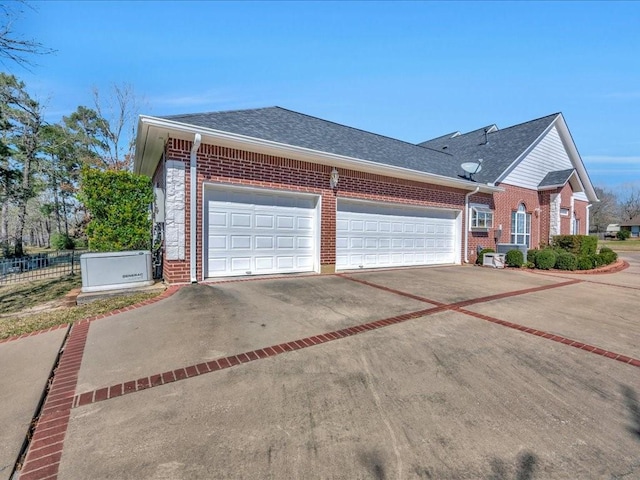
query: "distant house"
632, 226
271, 191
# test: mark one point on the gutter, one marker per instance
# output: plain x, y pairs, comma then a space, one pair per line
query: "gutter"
232, 140
197, 139
467, 224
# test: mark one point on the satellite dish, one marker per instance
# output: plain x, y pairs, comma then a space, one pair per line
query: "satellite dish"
472, 167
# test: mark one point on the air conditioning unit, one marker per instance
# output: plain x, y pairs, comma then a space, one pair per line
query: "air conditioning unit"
115, 270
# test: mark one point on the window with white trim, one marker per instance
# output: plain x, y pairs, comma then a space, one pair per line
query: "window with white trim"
481, 217
521, 226
564, 212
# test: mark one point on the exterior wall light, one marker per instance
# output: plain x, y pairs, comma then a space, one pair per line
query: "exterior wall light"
333, 180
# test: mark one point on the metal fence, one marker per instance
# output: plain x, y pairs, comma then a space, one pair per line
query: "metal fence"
39, 266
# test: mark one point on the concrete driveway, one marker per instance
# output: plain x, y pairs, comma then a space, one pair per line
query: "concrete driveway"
448, 372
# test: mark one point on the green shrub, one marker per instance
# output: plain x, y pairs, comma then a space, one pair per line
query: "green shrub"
608, 256
118, 205
566, 261
597, 260
546, 259
623, 234
62, 241
585, 262
576, 244
531, 255
480, 258
530, 265
81, 242
514, 258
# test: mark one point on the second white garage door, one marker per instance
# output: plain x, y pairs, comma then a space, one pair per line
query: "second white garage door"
259, 232
371, 235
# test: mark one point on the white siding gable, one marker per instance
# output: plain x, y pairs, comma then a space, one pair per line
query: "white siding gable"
547, 156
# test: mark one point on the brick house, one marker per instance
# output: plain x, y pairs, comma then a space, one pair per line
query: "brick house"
269, 190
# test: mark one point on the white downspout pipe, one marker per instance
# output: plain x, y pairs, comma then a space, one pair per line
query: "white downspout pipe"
587, 225
467, 224
193, 204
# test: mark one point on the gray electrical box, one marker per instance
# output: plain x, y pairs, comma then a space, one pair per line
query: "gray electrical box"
115, 270
158, 205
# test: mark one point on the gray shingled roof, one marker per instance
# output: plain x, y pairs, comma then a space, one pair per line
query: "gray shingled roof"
503, 146
556, 178
291, 128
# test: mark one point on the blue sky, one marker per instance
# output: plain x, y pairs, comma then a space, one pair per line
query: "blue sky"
412, 71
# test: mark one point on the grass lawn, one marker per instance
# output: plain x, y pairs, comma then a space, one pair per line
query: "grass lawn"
630, 245
33, 306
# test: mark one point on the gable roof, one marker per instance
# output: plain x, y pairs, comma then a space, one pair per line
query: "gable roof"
631, 223
556, 179
497, 148
284, 132
287, 127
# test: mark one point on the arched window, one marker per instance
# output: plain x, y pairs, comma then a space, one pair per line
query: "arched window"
521, 226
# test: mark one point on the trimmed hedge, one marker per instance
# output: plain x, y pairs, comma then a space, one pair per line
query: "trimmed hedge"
566, 261
585, 262
119, 207
545, 259
607, 255
531, 255
514, 258
480, 258
576, 244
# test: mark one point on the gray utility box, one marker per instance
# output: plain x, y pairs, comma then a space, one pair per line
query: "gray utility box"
505, 247
495, 260
115, 270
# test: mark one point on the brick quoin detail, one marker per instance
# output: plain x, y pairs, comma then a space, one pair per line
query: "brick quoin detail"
222, 165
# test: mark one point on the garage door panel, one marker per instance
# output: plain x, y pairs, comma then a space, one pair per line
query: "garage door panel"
259, 233
380, 235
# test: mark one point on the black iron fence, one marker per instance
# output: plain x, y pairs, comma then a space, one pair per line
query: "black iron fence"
39, 266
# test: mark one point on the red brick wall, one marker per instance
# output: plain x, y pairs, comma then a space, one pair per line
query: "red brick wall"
237, 167
565, 202
580, 208
508, 202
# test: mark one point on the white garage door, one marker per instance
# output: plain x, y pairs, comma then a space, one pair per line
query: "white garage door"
254, 233
370, 236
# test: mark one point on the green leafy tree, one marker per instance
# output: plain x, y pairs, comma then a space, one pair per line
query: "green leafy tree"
118, 203
21, 123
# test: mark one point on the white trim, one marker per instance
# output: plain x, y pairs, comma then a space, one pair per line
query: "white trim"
157, 129
274, 191
193, 205
467, 221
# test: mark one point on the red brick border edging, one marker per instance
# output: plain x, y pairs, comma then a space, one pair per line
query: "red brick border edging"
45, 449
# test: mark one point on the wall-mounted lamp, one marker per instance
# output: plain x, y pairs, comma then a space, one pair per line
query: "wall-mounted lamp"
333, 180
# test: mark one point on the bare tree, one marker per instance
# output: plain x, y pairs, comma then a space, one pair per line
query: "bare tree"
629, 200
12, 47
605, 211
118, 113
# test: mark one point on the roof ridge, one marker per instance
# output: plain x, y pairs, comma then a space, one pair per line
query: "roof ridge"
528, 121
218, 111
359, 129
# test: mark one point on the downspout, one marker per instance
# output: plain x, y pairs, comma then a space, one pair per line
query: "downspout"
467, 224
193, 204
587, 225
